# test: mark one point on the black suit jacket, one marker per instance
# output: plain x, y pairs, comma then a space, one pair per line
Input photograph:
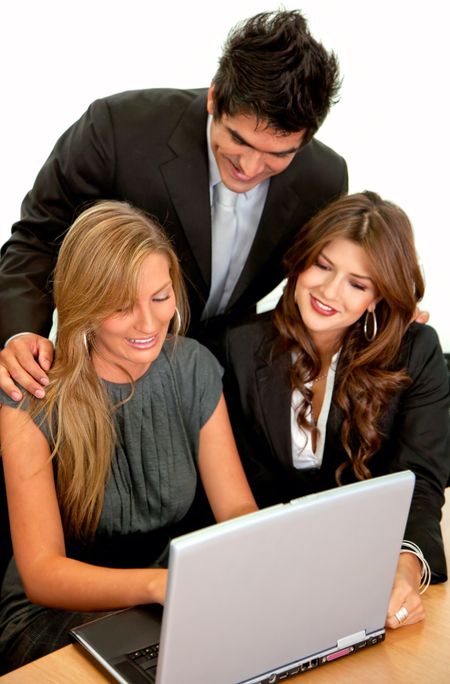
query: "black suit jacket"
149, 148
415, 428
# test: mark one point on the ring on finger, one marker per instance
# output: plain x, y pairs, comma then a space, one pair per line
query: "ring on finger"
401, 614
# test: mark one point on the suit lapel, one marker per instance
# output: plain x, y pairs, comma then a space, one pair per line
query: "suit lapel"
286, 198
274, 392
187, 179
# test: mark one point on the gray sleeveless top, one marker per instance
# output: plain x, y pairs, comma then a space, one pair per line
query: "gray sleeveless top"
153, 476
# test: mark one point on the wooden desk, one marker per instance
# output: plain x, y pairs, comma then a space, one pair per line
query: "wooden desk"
416, 654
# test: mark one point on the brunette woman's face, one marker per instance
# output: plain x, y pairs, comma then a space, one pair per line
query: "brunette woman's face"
335, 291
133, 338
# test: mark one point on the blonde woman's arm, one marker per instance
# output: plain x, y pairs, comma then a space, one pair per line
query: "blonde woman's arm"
221, 471
51, 578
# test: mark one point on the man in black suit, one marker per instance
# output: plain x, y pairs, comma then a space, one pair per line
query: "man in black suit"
167, 152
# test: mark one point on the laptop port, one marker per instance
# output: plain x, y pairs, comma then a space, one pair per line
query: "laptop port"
311, 665
294, 671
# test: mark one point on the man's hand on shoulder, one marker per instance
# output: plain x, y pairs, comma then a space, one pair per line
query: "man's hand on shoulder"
421, 316
25, 360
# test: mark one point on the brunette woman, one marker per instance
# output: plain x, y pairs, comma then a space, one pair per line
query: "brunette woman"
338, 385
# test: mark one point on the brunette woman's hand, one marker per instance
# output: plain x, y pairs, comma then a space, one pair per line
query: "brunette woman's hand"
405, 606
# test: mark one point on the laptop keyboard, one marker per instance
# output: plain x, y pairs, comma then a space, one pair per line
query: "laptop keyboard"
146, 659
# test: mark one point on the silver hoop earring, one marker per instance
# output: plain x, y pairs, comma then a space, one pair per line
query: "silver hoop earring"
370, 338
176, 322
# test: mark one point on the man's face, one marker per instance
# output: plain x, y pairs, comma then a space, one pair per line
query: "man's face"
247, 153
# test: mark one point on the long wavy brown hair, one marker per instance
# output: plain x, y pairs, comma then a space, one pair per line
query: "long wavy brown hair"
97, 273
368, 373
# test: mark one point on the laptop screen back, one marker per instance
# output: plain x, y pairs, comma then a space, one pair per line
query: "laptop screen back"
257, 593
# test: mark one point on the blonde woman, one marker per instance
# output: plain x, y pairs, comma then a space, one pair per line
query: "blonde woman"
99, 471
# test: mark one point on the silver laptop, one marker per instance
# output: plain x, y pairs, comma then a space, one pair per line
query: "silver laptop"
263, 597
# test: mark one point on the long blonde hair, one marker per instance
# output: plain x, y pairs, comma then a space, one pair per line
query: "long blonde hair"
369, 372
97, 272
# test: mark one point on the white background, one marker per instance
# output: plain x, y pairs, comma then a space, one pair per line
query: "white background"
391, 123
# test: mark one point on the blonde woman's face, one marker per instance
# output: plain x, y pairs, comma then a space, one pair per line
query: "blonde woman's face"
335, 291
133, 338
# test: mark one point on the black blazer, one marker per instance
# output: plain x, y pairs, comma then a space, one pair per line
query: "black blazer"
415, 428
149, 148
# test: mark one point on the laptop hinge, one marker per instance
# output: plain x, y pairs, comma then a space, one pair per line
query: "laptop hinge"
351, 639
